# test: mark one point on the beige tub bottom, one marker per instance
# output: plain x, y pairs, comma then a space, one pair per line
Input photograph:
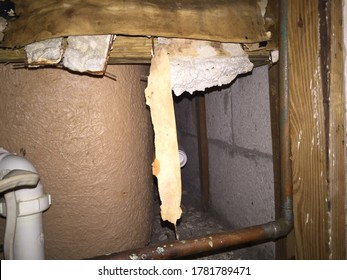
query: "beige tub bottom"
91, 141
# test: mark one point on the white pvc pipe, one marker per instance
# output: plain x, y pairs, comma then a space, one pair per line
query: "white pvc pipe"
183, 157
29, 238
10, 161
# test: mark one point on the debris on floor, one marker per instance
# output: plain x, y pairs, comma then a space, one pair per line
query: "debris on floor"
195, 223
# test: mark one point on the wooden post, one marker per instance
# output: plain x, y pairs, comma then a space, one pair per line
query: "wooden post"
316, 123
336, 179
203, 150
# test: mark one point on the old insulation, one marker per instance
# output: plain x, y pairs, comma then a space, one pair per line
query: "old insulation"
208, 20
46, 52
166, 166
183, 65
3, 25
82, 53
88, 53
196, 64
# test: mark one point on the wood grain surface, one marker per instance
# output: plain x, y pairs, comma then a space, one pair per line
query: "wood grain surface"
316, 123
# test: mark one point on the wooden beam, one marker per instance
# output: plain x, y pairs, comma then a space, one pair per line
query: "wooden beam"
336, 179
127, 49
218, 20
272, 23
203, 151
316, 123
307, 132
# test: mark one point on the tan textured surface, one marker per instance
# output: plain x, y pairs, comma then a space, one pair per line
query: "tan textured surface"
166, 166
91, 141
218, 20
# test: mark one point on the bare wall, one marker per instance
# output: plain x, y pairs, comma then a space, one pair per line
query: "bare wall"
240, 153
91, 141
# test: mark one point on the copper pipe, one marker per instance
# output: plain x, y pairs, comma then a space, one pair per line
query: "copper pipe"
260, 233
286, 164
177, 249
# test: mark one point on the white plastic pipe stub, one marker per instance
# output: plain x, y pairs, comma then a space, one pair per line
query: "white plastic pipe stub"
183, 158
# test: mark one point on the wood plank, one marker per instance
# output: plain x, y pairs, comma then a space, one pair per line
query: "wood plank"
218, 20
127, 49
130, 49
336, 177
317, 127
272, 23
12, 56
203, 151
307, 131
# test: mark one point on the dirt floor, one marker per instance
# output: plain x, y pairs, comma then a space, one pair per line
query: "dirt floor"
195, 223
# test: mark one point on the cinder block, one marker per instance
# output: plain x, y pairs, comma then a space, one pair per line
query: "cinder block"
241, 192
218, 115
251, 111
241, 187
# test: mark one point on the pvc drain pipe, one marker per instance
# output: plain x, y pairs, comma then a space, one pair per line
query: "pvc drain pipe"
24, 237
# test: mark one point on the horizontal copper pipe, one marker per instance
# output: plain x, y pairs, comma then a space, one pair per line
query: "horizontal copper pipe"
213, 242
177, 249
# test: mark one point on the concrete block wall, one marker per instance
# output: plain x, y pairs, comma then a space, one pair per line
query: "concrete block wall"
240, 153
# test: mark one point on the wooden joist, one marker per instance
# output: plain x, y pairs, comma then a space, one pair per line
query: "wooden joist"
219, 20
317, 127
127, 49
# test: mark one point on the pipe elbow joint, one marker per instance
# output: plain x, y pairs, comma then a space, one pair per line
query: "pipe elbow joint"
279, 228
10, 161
23, 205
18, 171
282, 226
